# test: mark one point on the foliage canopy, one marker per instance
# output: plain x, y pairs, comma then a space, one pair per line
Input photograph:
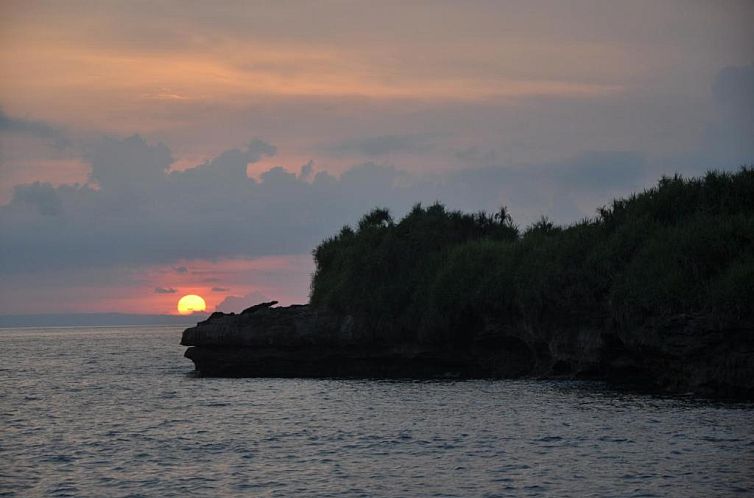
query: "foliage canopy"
683, 246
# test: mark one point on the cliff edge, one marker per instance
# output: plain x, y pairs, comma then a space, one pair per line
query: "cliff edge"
685, 354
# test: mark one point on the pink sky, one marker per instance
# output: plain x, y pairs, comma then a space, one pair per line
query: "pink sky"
283, 278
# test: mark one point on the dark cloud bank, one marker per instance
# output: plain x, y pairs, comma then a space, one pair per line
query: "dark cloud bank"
136, 211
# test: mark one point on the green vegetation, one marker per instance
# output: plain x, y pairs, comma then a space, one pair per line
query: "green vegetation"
684, 246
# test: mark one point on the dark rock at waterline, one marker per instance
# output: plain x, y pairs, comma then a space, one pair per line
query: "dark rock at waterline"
683, 354
694, 353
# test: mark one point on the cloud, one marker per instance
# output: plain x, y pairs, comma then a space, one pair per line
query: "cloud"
220, 289
130, 165
37, 129
164, 290
143, 213
231, 164
40, 197
306, 171
236, 304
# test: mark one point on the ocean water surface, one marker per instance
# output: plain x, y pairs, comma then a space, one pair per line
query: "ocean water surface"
118, 412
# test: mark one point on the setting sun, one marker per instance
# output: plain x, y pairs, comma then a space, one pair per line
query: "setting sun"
191, 303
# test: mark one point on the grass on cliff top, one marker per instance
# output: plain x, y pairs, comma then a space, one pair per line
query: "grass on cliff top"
683, 246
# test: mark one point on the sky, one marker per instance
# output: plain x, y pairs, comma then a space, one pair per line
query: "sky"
154, 149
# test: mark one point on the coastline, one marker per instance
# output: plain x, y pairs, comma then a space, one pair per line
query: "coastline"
685, 354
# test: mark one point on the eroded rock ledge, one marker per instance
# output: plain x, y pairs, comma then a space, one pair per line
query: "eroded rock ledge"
683, 354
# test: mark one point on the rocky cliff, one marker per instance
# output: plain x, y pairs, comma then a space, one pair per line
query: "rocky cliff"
683, 354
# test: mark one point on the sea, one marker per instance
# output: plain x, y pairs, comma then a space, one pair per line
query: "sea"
120, 412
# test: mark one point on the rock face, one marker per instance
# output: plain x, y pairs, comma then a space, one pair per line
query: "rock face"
692, 353
684, 354
299, 341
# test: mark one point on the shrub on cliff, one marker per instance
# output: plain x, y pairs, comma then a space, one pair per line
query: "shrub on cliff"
380, 270
684, 246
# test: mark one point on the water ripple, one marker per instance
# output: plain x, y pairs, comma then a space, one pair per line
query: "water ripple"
117, 412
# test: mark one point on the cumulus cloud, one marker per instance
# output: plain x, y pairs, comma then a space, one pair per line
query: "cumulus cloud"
130, 165
143, 213
164, 290
306, 171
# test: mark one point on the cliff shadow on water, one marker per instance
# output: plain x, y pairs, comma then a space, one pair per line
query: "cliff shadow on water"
657, 290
